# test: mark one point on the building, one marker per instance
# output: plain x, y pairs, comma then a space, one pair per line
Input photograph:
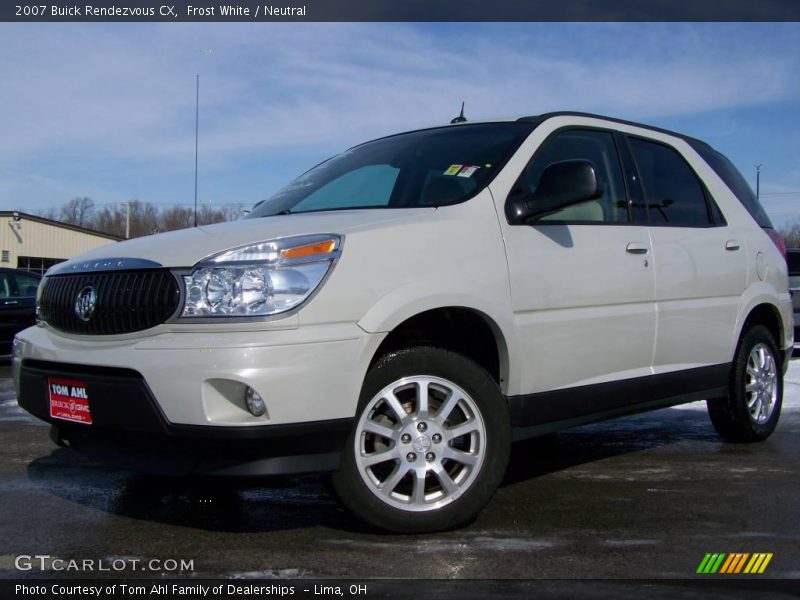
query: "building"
36, 244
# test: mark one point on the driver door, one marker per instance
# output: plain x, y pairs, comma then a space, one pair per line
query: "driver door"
582, 284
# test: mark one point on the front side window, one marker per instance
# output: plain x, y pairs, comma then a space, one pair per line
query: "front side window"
673, 193
432, 167
598, 148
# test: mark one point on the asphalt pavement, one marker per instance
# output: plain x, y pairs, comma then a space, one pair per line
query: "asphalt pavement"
642, 497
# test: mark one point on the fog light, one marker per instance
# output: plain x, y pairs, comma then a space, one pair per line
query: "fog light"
255, 403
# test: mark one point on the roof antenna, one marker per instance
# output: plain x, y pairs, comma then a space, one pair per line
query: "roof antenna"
460, 118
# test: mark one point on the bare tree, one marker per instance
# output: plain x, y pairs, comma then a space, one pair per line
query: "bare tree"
143, 218
208, 215
111, 220
78, 211
175, 217
791, 233
137, 217
233, 212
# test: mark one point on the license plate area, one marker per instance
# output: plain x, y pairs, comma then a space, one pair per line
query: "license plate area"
69, 400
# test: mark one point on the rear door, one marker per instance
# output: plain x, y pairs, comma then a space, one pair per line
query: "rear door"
700, 262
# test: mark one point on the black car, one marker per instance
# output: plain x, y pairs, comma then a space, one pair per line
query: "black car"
17, 304
793, 261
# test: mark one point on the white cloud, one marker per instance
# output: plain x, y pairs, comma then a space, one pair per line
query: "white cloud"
126, 92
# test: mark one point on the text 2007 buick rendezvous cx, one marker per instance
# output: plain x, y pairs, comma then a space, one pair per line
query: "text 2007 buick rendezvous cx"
401, 311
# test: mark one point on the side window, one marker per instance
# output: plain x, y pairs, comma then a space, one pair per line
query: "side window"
672, 191
598, 148
27, 285
734, 180
5, 285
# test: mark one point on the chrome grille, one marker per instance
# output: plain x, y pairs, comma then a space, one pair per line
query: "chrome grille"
125, 301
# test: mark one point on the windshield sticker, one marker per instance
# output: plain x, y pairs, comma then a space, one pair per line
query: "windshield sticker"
453, 169
467, 171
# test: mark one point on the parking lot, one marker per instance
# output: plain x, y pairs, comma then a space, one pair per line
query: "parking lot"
640, 497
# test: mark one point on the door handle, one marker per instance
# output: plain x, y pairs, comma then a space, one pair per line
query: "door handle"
732, 245
636, 248
11, 302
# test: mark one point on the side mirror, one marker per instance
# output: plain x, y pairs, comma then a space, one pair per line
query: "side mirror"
562, 184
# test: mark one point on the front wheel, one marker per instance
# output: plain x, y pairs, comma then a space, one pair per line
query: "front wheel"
750, 411
430, 445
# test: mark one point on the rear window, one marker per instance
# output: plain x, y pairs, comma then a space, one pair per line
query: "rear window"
734, 180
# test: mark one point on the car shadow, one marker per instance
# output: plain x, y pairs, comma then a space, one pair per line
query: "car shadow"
286, 503
208, 503
546, 454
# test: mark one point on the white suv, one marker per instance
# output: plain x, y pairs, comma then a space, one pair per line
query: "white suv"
404, 310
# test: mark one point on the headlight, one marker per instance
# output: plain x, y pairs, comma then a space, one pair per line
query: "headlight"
260, 279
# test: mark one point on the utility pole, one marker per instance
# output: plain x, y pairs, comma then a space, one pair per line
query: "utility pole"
758, 181
128, 220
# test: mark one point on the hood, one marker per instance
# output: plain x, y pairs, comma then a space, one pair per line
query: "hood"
186, 247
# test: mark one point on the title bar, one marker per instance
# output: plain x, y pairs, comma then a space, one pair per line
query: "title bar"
399, 10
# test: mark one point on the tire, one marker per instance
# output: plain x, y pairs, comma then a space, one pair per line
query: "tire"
752, 407
407, 469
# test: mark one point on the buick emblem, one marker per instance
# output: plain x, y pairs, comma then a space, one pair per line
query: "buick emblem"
85, 303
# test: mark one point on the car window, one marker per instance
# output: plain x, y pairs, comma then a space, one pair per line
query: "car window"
5, 285
371, 185
672, 191
735, 181
597, 147
27, 284
433, 167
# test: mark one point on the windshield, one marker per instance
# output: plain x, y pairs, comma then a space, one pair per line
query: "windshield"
433, 167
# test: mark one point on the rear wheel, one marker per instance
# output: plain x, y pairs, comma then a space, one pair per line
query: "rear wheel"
430, 445
750, 411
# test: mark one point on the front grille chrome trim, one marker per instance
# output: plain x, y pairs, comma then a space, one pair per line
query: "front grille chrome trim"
126, 301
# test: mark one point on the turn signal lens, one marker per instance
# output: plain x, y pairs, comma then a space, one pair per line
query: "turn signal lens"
313, 249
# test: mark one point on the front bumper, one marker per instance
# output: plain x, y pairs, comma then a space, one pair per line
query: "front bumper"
174, 403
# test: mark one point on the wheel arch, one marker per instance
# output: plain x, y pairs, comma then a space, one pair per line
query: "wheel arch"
461, 329
766, 314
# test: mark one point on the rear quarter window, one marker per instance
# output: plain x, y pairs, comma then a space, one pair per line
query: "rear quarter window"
735, 181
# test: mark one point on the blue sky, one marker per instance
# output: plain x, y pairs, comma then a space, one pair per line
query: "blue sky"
107, 110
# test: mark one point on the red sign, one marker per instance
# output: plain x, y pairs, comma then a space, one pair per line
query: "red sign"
69, 400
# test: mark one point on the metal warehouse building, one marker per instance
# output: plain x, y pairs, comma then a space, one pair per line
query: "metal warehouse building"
35, 243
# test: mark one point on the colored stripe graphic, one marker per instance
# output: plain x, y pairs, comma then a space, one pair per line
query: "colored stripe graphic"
727, 564
758, 564
734, 563
711, 563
